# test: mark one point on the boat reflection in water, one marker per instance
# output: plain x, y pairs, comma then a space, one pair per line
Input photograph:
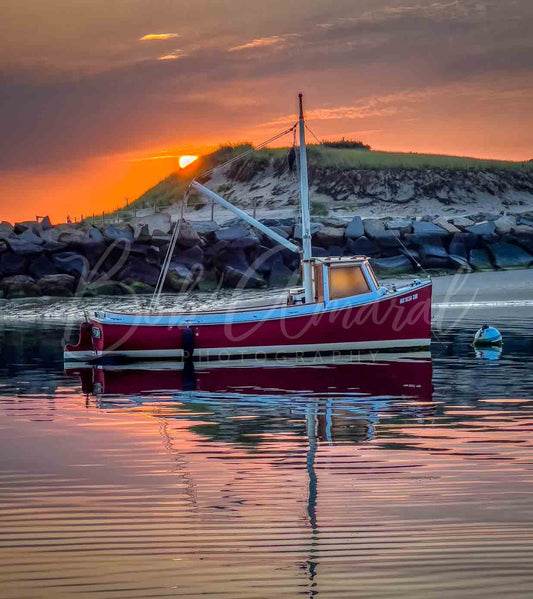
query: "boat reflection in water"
330, 386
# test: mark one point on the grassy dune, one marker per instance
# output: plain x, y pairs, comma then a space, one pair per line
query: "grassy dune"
348, 159
171, 189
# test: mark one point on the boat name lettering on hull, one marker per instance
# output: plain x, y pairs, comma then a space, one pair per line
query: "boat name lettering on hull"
409, 298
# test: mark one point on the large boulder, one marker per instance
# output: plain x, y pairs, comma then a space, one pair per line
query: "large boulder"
243, 279
193, 256
268, 260
56, 285
508, 256
71, 263
106, 287
479, 260
95, 234
19, 286
395, 265
334, 221
92, 250
139, 270
121, 232
387, 241
374, 227
505, 224
179, 277
523, 236
30, 237
204, 227
187, 236
433, 254
153, 222
486, 229
23, 248
28, 225
355, 229
232, 233
361, 247
426, 229
460, 264
461, 244
268, 241
400, 225
149, 253
6, 229
245, 243
462, 222
54, 246
42, 267
328, 236
283, 277
12, 264
445, 224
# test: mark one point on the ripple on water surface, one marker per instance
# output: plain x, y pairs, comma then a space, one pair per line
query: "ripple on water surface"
396, 477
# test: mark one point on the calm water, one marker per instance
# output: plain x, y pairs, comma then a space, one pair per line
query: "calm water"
405, 477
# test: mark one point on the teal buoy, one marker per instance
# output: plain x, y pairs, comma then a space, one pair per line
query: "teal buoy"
487, 336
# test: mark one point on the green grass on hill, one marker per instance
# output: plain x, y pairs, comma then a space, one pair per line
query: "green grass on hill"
348, 159
172, 188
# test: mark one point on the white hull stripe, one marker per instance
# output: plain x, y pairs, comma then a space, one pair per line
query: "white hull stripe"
227, 352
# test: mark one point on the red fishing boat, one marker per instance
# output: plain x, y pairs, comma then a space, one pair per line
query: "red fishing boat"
340, 308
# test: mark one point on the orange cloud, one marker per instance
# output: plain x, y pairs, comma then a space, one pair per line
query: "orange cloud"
149, 37
264, 42
174, 55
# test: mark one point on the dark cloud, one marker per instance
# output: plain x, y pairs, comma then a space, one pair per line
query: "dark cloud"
127, 94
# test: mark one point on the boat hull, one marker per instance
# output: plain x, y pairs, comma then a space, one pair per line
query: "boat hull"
399, 320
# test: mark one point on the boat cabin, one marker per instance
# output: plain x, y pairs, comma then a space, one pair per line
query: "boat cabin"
337, 278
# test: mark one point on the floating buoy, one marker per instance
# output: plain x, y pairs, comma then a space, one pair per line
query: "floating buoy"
487, 336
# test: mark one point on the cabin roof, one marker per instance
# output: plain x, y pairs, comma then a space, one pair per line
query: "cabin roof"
341, 260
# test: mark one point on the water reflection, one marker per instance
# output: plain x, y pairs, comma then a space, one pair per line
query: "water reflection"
323, 400
345, 394
398, 476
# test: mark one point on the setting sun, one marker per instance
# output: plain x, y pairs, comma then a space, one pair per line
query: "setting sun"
186, 160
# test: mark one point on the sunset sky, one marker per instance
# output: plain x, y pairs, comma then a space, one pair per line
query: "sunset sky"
98, 98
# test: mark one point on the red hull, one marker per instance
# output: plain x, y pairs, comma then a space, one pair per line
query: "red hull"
400, 320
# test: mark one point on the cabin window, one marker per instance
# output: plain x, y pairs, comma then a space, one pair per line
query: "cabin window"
346, 281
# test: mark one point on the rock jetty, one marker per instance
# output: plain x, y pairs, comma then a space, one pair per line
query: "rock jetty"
38, 259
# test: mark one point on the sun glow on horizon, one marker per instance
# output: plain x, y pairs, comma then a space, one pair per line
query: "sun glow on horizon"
185, 160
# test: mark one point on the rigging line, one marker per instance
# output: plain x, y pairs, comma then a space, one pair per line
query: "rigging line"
170, 251
251, 151
411, 255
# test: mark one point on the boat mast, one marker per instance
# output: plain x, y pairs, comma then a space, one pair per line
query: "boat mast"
306, 216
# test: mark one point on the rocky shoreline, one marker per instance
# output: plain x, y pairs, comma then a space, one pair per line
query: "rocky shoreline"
39, 259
